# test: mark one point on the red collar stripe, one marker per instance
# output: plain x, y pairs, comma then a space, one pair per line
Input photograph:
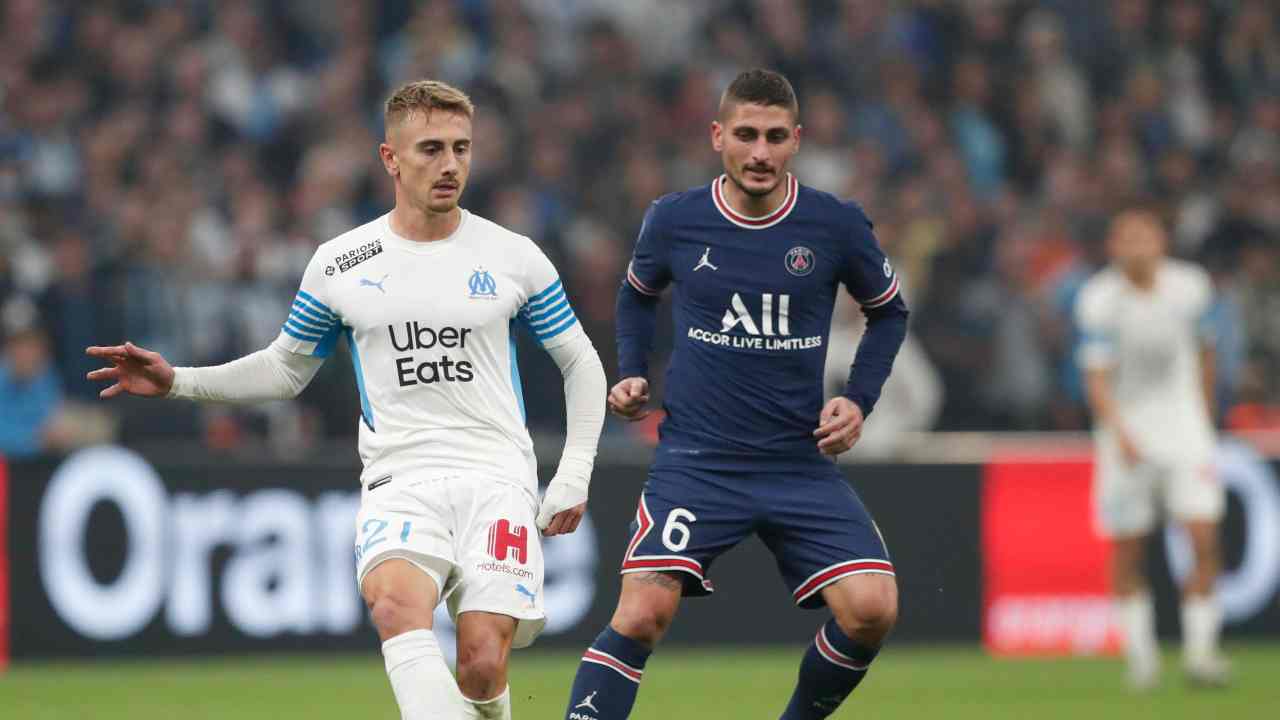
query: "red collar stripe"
755, 223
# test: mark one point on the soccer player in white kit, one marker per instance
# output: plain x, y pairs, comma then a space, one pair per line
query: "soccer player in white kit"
428, 297
1149, 371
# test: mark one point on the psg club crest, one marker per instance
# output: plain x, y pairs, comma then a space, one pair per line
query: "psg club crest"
482, 285
799, 261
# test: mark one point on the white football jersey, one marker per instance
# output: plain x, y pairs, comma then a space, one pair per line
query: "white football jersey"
430, 328
1151, 340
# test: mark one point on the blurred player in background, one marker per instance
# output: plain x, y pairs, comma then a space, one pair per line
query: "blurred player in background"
428, 297
748, 445
1149, 369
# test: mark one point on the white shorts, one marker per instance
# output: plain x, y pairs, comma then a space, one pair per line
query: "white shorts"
474, 536
1125, 496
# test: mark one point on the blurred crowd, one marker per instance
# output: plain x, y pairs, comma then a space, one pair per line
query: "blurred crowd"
167, 167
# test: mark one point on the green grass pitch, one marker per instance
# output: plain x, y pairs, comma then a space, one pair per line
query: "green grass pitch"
907, 682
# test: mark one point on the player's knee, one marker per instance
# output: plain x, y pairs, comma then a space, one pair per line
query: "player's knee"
392, 615
868, 624
647, 607
645, 625
870, 616
481, 669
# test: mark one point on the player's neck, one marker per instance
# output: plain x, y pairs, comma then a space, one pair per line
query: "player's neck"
411, 223
1141, 278
753, 205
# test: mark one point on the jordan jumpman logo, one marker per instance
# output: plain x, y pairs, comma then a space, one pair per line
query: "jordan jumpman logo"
705, 261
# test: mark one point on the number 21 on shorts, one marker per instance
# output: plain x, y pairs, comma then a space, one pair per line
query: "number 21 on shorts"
372, 534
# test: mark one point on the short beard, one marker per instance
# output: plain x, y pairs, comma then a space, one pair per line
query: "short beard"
754, 193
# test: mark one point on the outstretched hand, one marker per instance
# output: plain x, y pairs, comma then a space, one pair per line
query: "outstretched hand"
134, 370
839, 426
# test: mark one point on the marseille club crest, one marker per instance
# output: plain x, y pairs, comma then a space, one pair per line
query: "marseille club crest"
482, 285
799, 261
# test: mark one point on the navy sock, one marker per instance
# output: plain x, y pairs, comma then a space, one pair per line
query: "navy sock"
608, 678
832, 667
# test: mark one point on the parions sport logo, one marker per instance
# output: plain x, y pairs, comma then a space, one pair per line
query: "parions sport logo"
351, 258
413, 337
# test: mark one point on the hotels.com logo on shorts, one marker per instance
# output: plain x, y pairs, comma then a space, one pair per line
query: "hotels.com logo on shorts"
504, 538
508, 543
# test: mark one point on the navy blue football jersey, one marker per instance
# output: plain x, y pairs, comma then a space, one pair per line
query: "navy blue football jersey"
753, 298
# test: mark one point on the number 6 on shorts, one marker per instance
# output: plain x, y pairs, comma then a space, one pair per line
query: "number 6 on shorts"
674, 526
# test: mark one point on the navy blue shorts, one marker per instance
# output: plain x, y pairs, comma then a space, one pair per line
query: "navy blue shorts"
812, 521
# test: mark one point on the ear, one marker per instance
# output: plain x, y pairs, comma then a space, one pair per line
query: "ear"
797, 134
389, 161
717, 136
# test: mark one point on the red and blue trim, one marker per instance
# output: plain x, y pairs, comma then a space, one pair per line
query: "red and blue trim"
883, 298
828, 575
639, 284
834, 656
629, 672
763, 221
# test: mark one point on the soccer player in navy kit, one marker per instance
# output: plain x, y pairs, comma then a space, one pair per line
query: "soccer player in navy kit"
748, 445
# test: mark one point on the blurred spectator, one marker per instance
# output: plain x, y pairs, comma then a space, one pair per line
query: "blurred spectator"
30, 392
166, 169
74, 311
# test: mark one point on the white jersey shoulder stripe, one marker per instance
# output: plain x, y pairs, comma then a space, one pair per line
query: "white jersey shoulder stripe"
548, 312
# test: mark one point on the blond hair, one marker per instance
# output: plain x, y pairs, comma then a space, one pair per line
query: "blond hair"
425, 96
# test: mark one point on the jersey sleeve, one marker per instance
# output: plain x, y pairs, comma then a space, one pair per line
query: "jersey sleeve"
1096, 349
867, 273
546, 311
650, 271
313, 326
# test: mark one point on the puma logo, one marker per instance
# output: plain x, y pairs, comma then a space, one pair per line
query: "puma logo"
365, 282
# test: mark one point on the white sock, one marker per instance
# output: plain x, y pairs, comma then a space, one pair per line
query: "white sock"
423, 685
498, 708
1201, 620
1138, 616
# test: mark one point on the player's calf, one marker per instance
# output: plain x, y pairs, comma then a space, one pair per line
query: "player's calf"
865, 609
484, 647
608, 678
1201, 613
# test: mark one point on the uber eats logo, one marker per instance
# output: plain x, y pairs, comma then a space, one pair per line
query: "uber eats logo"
413, 369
